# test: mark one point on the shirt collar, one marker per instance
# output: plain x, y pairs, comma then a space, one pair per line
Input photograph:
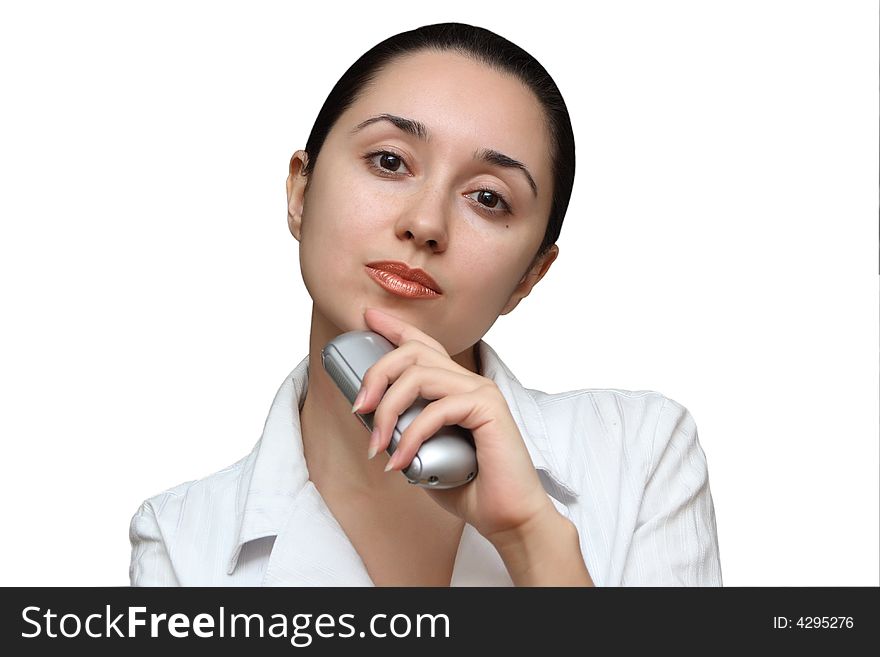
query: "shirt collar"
275, 471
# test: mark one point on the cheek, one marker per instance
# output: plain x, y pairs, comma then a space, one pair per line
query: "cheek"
491, 274
352, 211
338, 211
340, 225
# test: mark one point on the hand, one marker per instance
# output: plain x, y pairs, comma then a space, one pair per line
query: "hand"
506, 495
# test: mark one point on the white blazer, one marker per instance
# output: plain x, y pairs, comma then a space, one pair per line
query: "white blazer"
625, 467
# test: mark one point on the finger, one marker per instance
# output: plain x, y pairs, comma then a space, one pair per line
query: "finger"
446, 411
397, 330
429, 383
385, 371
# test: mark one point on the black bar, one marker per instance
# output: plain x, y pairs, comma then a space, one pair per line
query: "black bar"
679, 620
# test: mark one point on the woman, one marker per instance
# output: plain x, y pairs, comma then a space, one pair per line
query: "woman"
447, 150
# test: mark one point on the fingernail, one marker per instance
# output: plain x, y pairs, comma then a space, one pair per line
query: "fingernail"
392, 462
358, 401
374, 444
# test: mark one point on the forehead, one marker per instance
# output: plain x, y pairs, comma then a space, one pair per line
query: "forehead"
463, 103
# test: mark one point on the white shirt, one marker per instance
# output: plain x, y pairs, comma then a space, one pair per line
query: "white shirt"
625, 467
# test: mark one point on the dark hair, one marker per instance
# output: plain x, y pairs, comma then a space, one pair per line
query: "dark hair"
487, 48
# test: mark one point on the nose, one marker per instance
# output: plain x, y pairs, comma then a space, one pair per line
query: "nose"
425, 220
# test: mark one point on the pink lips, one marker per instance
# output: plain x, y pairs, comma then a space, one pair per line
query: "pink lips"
398, 278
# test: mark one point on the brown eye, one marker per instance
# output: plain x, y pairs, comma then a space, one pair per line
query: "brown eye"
489, 201
486, 195
390, 161
385, 163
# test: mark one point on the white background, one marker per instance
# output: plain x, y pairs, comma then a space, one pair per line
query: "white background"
722, 233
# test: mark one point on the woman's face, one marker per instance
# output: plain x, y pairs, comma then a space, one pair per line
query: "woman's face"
379, 193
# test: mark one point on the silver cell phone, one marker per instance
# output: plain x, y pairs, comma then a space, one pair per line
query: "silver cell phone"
445, 460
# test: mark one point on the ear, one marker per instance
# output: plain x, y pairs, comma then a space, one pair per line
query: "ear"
296, 191
536, 272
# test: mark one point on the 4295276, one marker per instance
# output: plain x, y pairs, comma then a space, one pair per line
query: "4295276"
814, 623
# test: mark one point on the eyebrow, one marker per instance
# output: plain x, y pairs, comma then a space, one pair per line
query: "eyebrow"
418, 130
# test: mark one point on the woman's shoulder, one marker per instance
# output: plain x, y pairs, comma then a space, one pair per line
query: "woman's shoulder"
179, 534
216, 490
614, 418
606, 402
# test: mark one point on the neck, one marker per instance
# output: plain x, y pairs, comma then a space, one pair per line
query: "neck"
334, 440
